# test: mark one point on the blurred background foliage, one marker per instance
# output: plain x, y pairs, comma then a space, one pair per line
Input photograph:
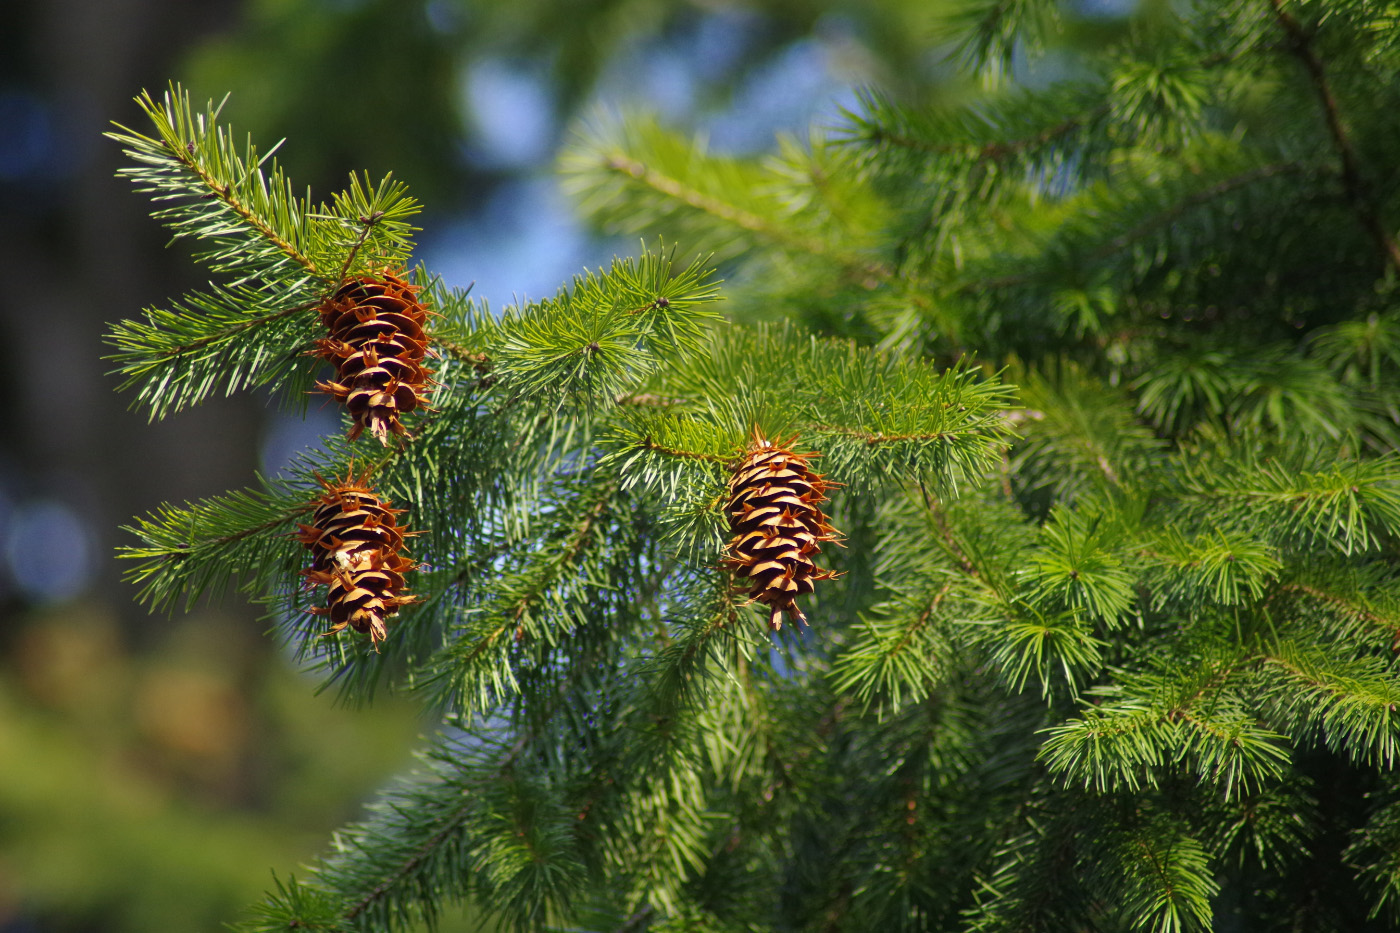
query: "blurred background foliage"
151, 770
152, 791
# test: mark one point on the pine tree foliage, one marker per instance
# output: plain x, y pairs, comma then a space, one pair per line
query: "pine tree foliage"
274, 252
1111, 649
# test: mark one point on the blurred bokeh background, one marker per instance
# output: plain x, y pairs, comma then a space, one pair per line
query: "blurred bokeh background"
154, 771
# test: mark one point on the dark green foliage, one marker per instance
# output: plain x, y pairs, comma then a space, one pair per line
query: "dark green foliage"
1113, 649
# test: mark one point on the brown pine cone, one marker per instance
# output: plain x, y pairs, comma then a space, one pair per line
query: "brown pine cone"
356, 550
377, 343
777, 524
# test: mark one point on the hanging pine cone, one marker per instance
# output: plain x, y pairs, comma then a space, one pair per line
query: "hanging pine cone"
777, 526
377, 345
356, 550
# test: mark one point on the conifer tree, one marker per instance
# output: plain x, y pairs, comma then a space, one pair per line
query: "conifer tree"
1104, 378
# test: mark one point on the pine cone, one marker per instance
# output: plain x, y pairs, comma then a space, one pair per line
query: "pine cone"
777, 526
356, 550
377, 345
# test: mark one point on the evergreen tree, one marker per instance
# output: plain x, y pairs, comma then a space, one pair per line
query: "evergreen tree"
1109, 374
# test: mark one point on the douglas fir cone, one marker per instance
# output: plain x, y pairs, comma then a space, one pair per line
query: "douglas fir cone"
777, 526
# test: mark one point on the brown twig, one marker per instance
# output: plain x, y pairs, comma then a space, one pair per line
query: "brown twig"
366, 225
224, 193
226, 333
879, 437
939, 519
869, 272
1128, 237
993, 151
650, 444
1353, 181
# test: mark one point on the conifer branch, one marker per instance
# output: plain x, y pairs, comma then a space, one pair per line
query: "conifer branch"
998, 150
648, 399
226, 194
1349, 605
1158, 221
877, 437
367, 225
648, 443
188, 552
450, 826
227, 333
455, 821
940, 520
922, 620
1189, 558
674, 188
258, 223
1353, 180
474, 358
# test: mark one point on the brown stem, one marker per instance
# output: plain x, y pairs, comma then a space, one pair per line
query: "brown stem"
366, 225
225, 193
649, 400
1353, 181
650, 444
939, 519
878, 437
241, 326
994, 151
1128, 237
921, 621
419, 854
479, 361
869, 272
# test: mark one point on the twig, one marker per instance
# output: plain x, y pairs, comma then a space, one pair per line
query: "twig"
650, 444
1128, 237
936, 513
224, 193
241, 326
634, 922
993, 151
1357, 190
879, 437
366, 225
673, 188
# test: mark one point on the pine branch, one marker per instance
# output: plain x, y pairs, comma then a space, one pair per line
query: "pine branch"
275, 249
746, 220
575, 583
1357, 188
256, 224
989, 31
989, 148
1308, 498
1162, 219
634, 177
599, 338
223, 340
1169, 885
1352, 705
1147, 724
896, 656
187, 553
